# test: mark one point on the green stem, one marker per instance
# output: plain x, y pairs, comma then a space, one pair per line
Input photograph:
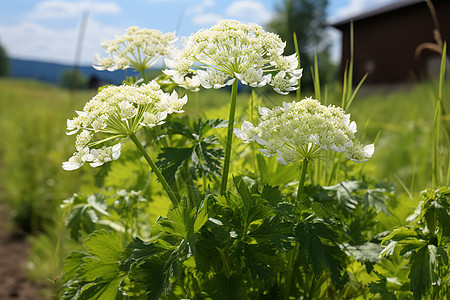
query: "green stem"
226, 164
292, 257
155, 169
189, 184
301, 184
142, 70
311, 289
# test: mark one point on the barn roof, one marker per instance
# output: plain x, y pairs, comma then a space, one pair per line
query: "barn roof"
376, 11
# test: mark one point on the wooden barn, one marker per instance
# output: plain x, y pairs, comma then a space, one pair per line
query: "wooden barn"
397, 43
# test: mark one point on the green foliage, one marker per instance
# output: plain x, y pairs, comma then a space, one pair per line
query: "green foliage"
99, 275
32, 148
205, 159
4, 62
73, 79
307, 19
425, 240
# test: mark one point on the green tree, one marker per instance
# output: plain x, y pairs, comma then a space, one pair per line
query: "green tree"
307, 18
73, 79
4, 62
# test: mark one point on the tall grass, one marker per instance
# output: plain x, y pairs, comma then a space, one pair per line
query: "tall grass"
32, 118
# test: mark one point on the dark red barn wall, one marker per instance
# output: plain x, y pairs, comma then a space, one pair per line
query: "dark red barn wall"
385, 43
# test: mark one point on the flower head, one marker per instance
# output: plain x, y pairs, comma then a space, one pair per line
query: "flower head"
303, 129
232, 50
113, 115
139, 48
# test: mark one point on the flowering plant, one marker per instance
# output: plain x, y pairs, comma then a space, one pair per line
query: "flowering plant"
139, 48
231, 50
300, 130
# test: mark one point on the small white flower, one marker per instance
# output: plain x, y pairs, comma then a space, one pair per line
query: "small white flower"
77, 160
247, 133
127, 110
283, 84
211, 78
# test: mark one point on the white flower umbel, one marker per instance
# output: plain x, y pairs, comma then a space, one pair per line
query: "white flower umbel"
301, 130
114, 114
139, 48
232, 50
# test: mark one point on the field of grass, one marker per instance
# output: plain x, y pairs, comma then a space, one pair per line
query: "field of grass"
34, 144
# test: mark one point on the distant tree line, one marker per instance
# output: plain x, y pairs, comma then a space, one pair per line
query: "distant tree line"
307, 18
4, 62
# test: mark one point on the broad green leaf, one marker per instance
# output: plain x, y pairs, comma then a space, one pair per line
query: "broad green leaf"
319, 255
104, 245
99, 269
72, 263
422, 273
104, 290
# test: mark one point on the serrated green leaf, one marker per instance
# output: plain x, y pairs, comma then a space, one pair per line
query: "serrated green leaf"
171, 159
184, 221
271, 194
104, 245
138, 250
155, 273
380, 287
400, 234
422, 273
104, 290
98, 271
71, 264
375, 198
82, 217
343, 193
319, 255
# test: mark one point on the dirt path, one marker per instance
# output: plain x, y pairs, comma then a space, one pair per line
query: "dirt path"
14, 249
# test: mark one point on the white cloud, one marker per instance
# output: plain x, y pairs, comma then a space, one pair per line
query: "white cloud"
31, 40
206, 19
202, 14
58, 9
249, 11
356, 7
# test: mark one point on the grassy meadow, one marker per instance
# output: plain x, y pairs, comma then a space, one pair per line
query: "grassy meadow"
34, 144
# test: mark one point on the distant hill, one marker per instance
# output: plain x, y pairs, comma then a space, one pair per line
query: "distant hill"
51, 72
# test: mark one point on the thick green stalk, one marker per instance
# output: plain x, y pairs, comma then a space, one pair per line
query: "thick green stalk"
226, 164
301, 183
155, 169
292, 255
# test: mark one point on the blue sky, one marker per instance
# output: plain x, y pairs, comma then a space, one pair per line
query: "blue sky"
47, 30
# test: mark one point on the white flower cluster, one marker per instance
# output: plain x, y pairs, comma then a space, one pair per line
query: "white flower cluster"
231, 50
137, 48
302, 129
114, 114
